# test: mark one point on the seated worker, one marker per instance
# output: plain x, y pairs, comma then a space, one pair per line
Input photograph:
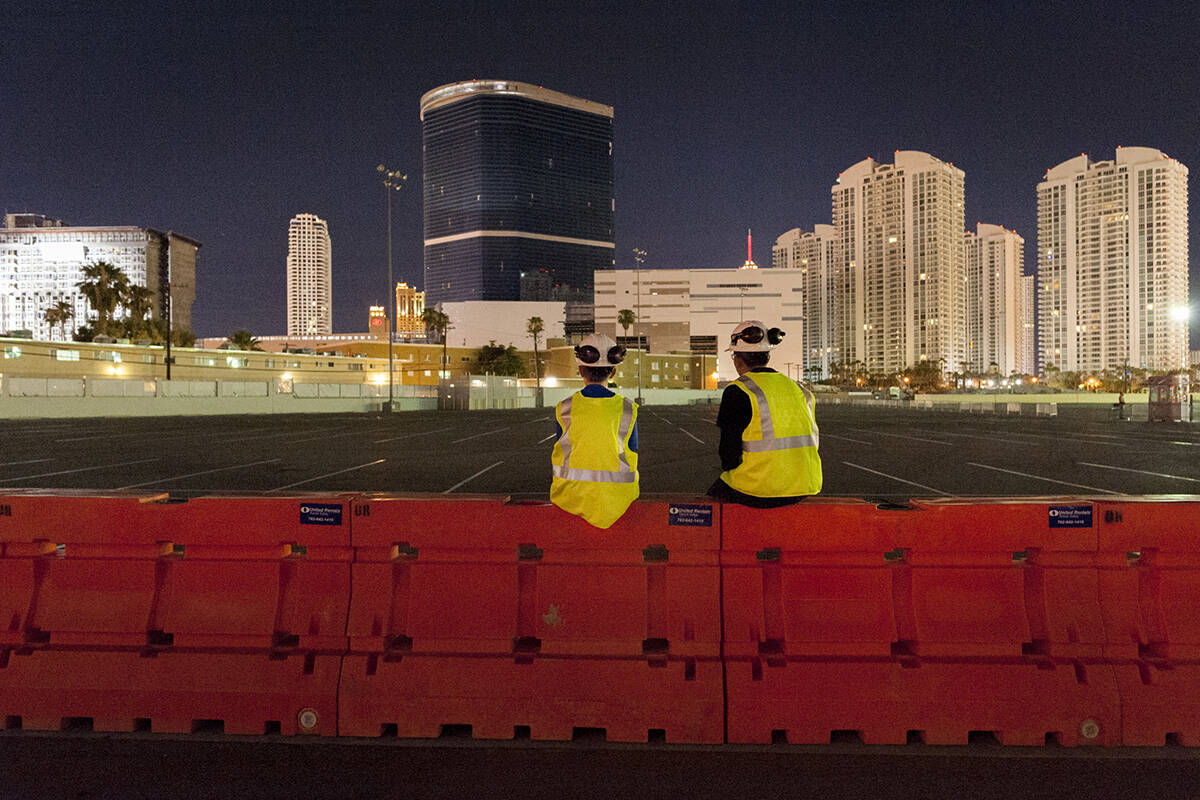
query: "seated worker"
595, 458
768, 432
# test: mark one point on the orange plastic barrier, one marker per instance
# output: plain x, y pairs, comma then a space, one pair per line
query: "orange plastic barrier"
143, 594
1150, 596
513, 618
930, 623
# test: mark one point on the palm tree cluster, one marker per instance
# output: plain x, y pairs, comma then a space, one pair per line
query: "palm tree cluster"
108, 290
59, 314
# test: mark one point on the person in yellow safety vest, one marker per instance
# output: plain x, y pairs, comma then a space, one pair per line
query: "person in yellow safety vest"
769, 435
595, 460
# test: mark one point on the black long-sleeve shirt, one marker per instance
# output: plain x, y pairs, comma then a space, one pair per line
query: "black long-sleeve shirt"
733, 417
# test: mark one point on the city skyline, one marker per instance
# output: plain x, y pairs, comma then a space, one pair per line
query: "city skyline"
713, 138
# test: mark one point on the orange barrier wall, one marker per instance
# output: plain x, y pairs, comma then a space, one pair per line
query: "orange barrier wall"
137, 614
923, 624
523, 619
1052, 619
1149, 566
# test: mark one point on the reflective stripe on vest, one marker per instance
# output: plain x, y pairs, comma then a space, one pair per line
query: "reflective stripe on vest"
624, 473
769, 441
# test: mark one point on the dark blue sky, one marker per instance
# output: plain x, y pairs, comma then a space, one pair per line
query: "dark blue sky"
222, 124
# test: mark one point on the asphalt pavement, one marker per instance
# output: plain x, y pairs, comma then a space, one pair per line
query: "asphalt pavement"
866, 452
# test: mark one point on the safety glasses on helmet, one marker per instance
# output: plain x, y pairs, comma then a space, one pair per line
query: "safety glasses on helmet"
590, 355
755, 334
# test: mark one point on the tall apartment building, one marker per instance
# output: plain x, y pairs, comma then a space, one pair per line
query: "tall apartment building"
900, 262
42, 261
1027, 363
518, 192
1112, 262
309, 277
994, 259
824, 294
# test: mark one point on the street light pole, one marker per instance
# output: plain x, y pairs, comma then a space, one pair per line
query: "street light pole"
639, 256
393, 181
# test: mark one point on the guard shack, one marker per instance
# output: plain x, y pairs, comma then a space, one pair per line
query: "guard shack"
1169, 399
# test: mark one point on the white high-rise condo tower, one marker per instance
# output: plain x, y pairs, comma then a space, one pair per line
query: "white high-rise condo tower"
900, 262
822, 299
995, 259
1027, 347
309, 277
1112, 263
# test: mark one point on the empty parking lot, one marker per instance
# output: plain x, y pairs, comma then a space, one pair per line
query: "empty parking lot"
866, 452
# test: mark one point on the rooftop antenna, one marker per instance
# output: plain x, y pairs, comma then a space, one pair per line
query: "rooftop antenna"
749, 252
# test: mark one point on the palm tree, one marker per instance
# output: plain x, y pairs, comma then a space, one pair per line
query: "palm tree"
534, 326
103, 286
244, 340
59, 314
439, 322
626, 318
137, 307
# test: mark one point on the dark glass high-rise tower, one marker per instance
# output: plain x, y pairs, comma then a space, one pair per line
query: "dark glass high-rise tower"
518, 192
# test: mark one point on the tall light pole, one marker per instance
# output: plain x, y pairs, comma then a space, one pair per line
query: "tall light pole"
639, 256
393, 181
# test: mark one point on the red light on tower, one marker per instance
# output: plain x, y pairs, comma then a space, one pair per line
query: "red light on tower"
749, 253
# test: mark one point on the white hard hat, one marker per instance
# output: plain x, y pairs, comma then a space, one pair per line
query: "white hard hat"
753, 336
597, 350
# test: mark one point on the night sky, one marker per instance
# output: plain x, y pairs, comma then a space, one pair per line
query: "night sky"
221, 124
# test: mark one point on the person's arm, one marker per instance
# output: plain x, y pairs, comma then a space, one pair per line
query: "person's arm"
732, 418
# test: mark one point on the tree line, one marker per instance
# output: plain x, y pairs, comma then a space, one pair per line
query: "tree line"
122, 309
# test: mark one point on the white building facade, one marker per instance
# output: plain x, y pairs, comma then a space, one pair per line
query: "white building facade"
475, 323
41, 266
309, 277
994, 259
899, 263
824, 310
1112, 262
695, 311
1027, 344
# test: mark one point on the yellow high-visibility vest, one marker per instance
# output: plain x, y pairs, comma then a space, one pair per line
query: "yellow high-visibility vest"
779, 446
595, 472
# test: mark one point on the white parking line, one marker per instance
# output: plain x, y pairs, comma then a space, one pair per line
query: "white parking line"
686, 433
334, 436
473, 477
327, 475
1140, 471
902, 436
83, 469
844, 438
548, 438
984, 438
476, 436
194, 474
1047, 480
901, 480
275, 435
411, 435
30, 461
162, 433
